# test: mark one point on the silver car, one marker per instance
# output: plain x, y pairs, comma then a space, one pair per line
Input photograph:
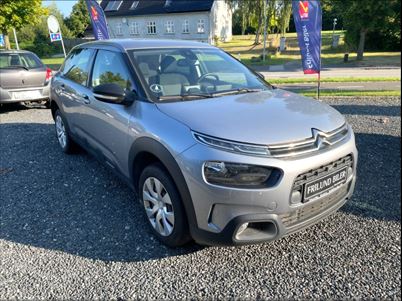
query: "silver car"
23, 77
214, 152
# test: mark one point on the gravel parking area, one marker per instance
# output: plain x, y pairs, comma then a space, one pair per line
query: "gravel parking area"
70, 229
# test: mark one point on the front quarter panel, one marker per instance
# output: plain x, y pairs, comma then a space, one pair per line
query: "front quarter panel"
148, 122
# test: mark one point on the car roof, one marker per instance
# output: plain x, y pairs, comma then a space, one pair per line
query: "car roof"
14, 51
129, 44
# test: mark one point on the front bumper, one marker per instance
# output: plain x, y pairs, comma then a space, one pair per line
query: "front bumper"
220, 211
7, 95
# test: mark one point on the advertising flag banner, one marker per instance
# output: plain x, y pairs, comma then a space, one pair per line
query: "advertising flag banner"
98, 20
1, 40
308, 21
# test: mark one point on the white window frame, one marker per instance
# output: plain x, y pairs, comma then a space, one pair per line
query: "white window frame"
186, 26
151, 28
201, 26
134, 28
134, 5
113, 5
169, 26
119, 29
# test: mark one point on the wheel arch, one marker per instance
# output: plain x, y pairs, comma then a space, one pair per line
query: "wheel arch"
53, 108
145, 151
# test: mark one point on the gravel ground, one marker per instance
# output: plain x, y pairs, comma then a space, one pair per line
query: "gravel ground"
70, 229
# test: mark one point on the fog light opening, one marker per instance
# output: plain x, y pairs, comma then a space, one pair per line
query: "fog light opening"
241, 229
257, 231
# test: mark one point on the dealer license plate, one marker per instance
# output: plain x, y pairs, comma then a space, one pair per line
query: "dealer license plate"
325, 183
27, 95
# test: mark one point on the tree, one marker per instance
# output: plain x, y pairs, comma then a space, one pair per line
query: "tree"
285, 11
16, 14
362, 18
35, 38
79, 19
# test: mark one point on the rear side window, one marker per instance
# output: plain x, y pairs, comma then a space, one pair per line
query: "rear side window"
77, 66
16, 60
110, 68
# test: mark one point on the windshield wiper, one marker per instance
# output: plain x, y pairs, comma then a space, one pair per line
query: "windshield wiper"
185, 96
236, 91
209, 95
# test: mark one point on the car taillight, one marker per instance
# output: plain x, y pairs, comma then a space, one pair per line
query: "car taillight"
48, 74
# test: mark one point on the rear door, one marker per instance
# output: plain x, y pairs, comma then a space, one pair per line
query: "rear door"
21, 71
71, 87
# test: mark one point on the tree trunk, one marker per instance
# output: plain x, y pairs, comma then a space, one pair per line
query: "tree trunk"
258, 32
6, 41
360, 50
243, 24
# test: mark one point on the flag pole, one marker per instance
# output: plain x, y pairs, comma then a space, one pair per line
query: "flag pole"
319, 71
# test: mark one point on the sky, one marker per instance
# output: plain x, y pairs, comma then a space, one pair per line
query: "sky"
65, 6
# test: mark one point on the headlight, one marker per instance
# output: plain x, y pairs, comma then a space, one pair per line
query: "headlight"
236, 147
240, 175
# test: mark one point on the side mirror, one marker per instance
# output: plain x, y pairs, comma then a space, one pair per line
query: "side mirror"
113, 93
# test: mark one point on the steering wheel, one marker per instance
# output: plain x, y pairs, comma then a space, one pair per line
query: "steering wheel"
208, 75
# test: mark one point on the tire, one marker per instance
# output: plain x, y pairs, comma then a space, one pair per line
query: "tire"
67, 145
168, 221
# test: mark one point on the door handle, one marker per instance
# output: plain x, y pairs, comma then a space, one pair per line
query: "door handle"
86, 98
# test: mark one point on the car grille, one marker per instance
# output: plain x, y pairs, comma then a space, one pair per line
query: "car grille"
319, 141
323, 203
320, 172
315, 208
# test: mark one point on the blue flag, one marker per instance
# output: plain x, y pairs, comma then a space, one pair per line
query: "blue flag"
308, 21
98, 20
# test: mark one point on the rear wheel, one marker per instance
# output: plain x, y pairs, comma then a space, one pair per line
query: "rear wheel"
163, 206
66, 143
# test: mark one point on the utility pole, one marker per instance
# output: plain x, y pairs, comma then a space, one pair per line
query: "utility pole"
333, 28
15, 38
265, 30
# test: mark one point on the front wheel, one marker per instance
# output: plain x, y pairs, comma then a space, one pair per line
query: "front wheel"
163, 206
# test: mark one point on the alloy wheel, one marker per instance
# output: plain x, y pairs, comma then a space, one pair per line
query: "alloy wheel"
61, 131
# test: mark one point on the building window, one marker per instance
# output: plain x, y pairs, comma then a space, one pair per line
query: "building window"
151, 27
134, 29
113, 5
201, 26
169, 27
134, 5
186, 26
119, 30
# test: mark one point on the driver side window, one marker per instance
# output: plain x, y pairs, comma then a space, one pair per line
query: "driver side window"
109, 68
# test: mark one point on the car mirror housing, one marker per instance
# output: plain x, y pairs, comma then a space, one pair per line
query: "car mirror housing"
113, 93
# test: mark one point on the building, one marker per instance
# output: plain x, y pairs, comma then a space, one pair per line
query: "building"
199, 20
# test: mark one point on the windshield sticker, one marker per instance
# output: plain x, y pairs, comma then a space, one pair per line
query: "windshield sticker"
156, 88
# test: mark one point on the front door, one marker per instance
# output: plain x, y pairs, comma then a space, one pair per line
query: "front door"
106, 124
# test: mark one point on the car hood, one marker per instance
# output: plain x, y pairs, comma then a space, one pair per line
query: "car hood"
268, 117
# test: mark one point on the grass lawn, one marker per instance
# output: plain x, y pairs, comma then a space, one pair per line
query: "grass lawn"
313, 93
242, 47
334, 80
53, 60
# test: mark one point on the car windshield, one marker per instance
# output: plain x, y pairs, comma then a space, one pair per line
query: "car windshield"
19, 60
186, 74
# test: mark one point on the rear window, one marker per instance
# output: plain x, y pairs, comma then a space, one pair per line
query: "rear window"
15, 60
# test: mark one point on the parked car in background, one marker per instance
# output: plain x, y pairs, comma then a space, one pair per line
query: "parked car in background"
215, 153
23, 77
